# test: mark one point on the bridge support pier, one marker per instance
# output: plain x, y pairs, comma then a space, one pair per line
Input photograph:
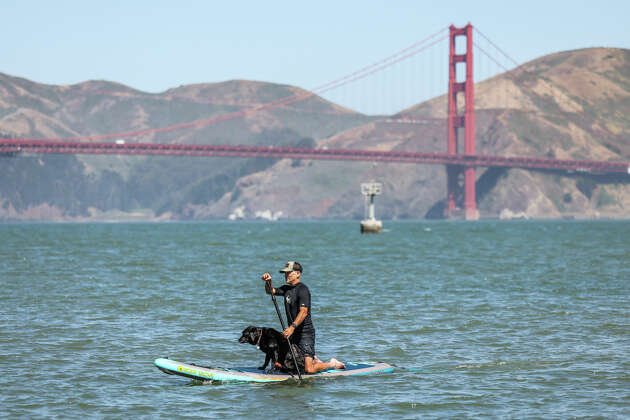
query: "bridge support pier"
470, 196
455, 121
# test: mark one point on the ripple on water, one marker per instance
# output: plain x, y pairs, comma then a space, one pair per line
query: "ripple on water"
491, 319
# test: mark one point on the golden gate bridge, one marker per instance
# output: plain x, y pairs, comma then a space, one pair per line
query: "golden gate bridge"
460, 166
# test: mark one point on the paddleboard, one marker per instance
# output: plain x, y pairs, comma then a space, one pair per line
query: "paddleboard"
202, 373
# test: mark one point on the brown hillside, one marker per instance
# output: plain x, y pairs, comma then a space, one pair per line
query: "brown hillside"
165, 186
570, 105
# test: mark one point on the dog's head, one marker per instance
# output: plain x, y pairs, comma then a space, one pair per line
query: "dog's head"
250, 335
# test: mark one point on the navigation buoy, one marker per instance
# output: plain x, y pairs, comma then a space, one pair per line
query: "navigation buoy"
370, 224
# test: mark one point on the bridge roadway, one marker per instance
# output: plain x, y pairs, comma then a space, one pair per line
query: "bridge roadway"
13, 147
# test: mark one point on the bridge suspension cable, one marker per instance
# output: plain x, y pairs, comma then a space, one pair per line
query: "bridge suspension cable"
377, 66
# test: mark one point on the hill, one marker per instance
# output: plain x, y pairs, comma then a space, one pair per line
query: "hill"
78, 187
569, 105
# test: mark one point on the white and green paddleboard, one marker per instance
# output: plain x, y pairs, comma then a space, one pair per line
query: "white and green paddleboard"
201, 373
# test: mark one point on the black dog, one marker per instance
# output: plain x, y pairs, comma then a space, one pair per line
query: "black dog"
275, 347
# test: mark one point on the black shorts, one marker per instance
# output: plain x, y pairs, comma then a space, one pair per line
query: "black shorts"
306, 343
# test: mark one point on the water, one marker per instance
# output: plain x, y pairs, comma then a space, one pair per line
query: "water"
487, 319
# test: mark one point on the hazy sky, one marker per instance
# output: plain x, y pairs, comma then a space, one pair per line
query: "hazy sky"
156, 45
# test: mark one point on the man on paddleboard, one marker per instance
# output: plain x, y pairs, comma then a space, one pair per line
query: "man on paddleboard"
297, 304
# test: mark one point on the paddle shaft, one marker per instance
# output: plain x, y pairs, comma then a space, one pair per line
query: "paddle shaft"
275, 303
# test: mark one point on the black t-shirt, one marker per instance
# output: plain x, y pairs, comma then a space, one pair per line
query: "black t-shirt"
296, 297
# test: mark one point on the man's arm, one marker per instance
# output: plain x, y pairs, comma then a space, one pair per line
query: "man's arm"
268, 287
301, 316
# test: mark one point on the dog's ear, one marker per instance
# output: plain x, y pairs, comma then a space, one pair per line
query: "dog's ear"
247, 334
253, 335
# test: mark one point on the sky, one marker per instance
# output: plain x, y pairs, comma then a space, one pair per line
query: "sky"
157, 45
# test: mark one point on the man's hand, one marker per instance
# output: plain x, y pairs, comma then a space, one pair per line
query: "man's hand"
268, 287
288, 332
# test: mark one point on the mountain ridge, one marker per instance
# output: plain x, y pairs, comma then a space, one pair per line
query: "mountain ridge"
554, 106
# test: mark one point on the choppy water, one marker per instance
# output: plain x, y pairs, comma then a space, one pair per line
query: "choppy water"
486, 319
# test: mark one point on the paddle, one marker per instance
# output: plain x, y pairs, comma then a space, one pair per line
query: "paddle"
275, 303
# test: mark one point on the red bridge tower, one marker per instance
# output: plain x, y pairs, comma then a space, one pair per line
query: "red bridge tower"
454, 122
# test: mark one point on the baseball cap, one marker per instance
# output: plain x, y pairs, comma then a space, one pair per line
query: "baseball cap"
291, 266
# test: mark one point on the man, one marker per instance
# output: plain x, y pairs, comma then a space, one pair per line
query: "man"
297, 304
